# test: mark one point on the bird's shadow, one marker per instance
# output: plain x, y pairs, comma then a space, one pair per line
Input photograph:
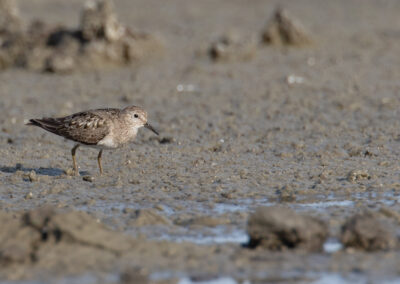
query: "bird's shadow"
39, 171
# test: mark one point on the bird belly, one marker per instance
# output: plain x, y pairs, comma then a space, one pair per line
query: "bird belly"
107, 143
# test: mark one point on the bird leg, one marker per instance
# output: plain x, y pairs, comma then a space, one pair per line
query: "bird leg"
99, 161
74, 159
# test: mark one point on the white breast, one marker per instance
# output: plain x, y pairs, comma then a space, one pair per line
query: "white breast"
107, 143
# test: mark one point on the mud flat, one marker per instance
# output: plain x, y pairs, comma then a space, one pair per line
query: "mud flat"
312, 128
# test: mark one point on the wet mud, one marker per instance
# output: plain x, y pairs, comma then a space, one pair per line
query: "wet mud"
310, 129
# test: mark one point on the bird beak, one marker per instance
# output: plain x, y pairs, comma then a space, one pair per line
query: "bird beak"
148, 126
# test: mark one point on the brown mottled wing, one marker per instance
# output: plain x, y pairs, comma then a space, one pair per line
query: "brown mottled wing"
88, 127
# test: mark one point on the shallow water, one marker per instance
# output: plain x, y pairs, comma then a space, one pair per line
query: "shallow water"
332, 245
88, 278
312, 278
221, 280
218, 235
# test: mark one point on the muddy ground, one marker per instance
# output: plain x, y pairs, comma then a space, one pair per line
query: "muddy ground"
313, 128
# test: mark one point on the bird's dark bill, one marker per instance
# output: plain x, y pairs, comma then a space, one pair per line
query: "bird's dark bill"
148, 126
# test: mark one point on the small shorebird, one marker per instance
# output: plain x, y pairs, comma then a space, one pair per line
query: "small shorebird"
107, 128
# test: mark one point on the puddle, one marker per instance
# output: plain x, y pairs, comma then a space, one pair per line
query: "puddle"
336, 278
200, 236
222, 280
213, 236
88, 279
242, 205
332, 245
184, 279
323, 205
107, 206
353, 278
81, 279
386, 198
320, 278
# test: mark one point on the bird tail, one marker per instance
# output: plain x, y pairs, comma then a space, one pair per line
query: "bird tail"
49, 124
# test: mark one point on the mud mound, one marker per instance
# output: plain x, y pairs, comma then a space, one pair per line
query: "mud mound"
99, 21
282, 29
367, 231
231, 47
134, 275
51, 239
10, 32
278, 228
100, 40
9, 17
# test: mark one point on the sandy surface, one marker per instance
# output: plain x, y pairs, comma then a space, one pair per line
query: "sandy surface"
234, 135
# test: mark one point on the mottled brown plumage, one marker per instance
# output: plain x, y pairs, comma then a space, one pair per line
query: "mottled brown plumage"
106, 128
84, 127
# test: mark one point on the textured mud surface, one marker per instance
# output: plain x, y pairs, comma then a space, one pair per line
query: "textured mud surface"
313, 128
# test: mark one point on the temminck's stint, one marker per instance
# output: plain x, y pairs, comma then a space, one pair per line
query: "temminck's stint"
107, 128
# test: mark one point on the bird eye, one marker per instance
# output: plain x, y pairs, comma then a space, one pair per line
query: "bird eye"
136, 115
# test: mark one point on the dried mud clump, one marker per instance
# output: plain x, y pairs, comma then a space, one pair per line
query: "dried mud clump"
231, 47
10, 31
134, 275
99, 21
47, 238
366, 231
279, 228
283, 30
9, 17
100, 41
